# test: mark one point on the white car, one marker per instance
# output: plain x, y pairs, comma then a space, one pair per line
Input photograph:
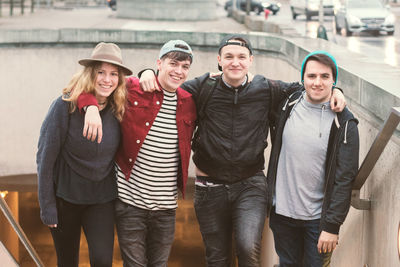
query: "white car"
363, 15
310, 8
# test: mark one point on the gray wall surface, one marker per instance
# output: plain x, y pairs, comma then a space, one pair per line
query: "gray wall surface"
35, 71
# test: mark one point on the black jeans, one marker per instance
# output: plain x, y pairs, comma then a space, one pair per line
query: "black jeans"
97, 221
239, 208
296, 242
145, 236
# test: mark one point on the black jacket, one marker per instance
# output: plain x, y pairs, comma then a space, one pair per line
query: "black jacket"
233, 132
341, 164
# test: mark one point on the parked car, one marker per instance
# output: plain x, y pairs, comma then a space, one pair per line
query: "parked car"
257, 6
273, 6
310, 8
112, 4
364, 16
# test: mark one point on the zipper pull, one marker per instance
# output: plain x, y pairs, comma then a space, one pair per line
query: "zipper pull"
236, 96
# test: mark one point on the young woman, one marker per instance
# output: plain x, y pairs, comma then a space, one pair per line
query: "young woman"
77, 184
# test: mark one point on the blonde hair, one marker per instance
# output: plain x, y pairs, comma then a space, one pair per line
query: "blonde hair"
84, 82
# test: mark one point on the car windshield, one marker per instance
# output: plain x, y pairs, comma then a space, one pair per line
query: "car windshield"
364, 4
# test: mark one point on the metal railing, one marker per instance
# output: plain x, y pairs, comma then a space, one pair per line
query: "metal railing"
372, 157
18, 230
12, 4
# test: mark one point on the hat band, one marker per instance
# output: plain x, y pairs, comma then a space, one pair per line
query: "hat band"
243, 44
107, 57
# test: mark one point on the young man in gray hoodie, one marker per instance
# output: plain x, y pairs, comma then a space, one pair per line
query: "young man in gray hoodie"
313, 163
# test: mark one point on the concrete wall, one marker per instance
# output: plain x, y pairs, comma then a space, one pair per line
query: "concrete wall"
192, 10
34, 71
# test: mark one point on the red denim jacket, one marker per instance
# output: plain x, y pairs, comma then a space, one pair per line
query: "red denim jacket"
141, 111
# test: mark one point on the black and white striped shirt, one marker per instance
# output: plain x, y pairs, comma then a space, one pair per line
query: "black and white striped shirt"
153, 181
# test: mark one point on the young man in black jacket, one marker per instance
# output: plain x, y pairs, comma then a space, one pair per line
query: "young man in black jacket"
313, 162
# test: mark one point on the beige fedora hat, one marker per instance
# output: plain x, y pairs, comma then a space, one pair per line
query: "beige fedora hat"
106, 52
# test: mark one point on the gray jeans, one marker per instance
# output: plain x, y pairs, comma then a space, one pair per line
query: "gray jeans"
145, 237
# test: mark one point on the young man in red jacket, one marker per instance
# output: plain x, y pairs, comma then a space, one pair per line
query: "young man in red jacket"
153, 158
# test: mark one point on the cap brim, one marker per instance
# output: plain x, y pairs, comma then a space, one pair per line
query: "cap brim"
87, 61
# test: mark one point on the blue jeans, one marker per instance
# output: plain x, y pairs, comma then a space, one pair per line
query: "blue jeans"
239, 208
145, 237
296, 242
97, 221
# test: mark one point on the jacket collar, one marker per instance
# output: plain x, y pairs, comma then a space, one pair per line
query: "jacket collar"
182, 94
226, 85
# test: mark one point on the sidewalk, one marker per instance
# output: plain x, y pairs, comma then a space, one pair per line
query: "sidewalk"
105, 18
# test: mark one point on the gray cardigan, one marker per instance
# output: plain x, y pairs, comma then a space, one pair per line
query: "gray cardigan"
61, 138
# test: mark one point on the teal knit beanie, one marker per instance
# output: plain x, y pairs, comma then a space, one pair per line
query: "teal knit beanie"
315, 53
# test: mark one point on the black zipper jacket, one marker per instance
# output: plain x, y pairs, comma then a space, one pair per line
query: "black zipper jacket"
233, 131
341, 164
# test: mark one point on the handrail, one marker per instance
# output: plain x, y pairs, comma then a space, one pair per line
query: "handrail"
372, 157
18, 230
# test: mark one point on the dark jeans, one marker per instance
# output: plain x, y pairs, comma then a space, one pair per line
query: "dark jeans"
296, 242
97, 221
239, 208
145, 237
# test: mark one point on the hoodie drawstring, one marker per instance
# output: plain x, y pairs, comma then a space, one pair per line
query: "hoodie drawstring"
294, 102
345, 133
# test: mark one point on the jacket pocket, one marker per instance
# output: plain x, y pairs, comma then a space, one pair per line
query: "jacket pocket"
188, 127
189, 123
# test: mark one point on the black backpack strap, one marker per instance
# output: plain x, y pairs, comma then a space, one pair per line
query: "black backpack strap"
207, 89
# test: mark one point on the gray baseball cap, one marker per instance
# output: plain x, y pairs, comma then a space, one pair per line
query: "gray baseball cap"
175, 46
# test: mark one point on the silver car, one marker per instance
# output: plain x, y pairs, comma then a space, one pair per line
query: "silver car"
363, 15
310, 8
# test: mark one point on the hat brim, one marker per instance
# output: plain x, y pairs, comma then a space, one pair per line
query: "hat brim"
87, 61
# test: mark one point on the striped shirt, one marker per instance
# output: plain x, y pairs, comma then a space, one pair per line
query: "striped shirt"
153, 181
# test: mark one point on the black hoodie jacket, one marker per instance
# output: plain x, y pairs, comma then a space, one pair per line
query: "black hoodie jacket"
341, 164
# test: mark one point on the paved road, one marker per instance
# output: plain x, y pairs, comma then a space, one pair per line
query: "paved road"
382, 47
